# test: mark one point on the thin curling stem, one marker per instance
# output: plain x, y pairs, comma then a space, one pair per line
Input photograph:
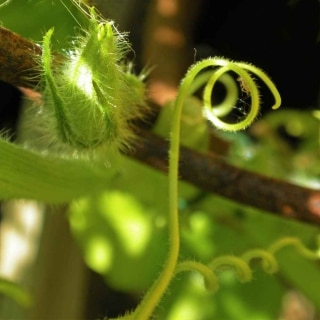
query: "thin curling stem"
297, 244
210, 279
267, 81
255, 103
241, 267
152, 298
268, 260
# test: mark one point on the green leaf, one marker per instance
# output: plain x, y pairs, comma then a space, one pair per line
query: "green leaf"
119, 239
30, 175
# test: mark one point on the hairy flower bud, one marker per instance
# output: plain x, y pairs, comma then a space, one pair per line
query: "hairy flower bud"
91, 97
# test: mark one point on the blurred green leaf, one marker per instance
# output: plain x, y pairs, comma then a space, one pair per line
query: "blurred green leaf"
32, 18
15, 292
119, 238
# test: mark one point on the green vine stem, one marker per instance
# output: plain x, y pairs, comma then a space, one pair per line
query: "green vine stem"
153, 296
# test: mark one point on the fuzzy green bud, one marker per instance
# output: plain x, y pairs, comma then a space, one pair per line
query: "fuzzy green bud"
92, 97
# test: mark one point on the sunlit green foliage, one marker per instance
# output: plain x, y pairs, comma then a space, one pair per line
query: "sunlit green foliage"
121, 229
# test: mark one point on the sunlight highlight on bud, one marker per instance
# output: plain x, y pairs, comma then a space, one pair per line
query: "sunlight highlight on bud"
83, 78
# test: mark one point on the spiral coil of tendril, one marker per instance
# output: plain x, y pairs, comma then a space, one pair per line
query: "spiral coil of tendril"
194, 79
241, 265
220, 73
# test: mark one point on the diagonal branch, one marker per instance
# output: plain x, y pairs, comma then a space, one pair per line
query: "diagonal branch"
17, 60
212, 174
208, 172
